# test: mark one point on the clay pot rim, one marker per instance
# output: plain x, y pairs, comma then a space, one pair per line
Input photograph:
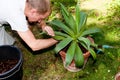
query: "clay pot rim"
63, 54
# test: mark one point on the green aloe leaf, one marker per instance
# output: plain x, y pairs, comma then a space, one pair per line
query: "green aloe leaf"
70, 54
92, 52
68, 18
83, 19
90, 31
77, 16
79, 58
72, 23
62, 26
64, 9
61, 34
62, 44
85, 41
84, 45
58, 37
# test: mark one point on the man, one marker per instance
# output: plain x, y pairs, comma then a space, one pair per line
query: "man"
15, 12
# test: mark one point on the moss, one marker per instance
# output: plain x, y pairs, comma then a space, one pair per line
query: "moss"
44, 65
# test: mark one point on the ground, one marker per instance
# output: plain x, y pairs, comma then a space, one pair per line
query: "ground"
46, 65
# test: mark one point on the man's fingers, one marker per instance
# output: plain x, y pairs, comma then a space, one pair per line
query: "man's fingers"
49, 30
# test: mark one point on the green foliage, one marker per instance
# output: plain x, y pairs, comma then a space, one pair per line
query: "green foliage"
73, 33
64, 1
45, 66
114, 10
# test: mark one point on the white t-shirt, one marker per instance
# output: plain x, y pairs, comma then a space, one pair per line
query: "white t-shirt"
12, 11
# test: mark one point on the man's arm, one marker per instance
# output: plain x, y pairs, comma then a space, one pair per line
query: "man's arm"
36, 44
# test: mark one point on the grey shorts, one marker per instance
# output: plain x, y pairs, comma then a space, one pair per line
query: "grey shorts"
5, 38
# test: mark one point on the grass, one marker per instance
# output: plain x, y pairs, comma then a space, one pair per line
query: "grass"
45, 65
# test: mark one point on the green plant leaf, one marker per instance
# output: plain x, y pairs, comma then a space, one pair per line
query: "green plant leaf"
84, 45
90, 31
64, 9
79, 58
83, 19
70, 53
58, 33
72, 23
92, 52
58, 37
68, 18
85, 41
77, 16
62, 26
62, 44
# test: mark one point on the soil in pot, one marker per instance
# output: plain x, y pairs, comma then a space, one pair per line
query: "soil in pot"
6, 65
10, 63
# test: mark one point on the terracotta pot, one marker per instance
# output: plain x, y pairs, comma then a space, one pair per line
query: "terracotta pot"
72, 66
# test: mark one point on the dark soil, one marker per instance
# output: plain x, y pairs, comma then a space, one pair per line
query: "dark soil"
6, 65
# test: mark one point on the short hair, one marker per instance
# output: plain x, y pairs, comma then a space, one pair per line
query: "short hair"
42, 6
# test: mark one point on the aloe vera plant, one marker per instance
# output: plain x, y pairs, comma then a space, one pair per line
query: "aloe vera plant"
73, 33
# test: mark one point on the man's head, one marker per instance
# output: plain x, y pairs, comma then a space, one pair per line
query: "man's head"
37, 10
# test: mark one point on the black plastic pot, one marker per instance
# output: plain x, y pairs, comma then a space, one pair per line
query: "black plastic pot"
11, 52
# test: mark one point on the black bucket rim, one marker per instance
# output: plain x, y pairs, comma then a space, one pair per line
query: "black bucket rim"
18, 64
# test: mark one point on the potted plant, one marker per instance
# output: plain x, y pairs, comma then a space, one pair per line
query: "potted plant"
74, 40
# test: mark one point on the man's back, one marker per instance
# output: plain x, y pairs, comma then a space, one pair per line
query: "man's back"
12, 11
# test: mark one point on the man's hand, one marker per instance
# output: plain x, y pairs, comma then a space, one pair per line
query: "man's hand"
46, 28
49, 30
